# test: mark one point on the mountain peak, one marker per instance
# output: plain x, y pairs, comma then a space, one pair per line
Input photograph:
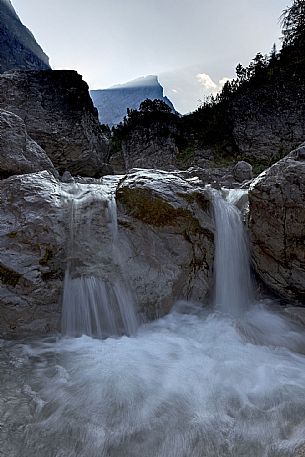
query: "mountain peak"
112, 103
143, 81
19, 49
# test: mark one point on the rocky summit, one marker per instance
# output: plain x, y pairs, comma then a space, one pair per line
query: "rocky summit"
112, 103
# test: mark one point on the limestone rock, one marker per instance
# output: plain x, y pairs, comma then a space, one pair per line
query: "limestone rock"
168, 221
165, 243
268, 121
153, 146
19, 154
243, 171
59, 115
32, 239
277, 221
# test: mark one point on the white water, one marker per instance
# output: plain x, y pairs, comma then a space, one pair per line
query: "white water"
96, 299
194, 384
233, 288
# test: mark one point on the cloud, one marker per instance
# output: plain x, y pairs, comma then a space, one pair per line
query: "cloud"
211, 87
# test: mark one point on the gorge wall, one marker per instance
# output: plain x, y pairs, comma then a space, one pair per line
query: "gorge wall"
59, 115
277, 220
268, 122
259, 124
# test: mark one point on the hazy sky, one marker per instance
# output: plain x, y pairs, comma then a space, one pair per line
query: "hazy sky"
190, 44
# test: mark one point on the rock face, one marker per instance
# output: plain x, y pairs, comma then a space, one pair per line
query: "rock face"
59, 116
269, 121
19, 154
112, 103
165, 240
151, 147
277, 221
168, 224
19, 50
32, 239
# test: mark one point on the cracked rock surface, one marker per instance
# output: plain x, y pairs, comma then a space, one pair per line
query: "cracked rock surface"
19, 154
168, 222
165, 241
277, 226
59, 115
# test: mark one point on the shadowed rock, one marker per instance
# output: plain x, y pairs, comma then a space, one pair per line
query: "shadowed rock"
19, 49
59, 115
19, 154
277, 224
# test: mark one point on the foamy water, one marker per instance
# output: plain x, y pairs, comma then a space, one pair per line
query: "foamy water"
187, 385
197, 383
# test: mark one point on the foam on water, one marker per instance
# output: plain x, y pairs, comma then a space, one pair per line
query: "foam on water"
97, 301
229, 383
187, 385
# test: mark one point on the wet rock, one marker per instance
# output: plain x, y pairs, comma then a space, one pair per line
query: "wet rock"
296, 313
242, 171
19, 154
32, 240
217, 177
277, 221
67, 177
168, 221
59, 115
165, 243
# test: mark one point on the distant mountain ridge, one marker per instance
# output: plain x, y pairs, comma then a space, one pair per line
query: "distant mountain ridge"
18, 47
112, 103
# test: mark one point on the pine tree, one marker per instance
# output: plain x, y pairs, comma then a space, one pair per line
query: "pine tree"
293, 24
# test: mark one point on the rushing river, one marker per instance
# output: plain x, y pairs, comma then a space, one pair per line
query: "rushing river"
221, 381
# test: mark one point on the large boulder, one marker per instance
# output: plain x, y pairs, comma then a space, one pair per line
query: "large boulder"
168, 223
243, 171
277, 221
164, 244
32, 240
19, 154
59, 115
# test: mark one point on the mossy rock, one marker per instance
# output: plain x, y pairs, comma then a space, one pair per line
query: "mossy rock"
198, 198
9, 277
150, 209
46, 257
12, 235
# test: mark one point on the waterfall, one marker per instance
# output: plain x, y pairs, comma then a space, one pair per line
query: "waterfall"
233, 286
96, 299
193, 383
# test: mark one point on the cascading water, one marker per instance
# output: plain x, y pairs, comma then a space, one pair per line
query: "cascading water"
202, 384
96, 299
233, 287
